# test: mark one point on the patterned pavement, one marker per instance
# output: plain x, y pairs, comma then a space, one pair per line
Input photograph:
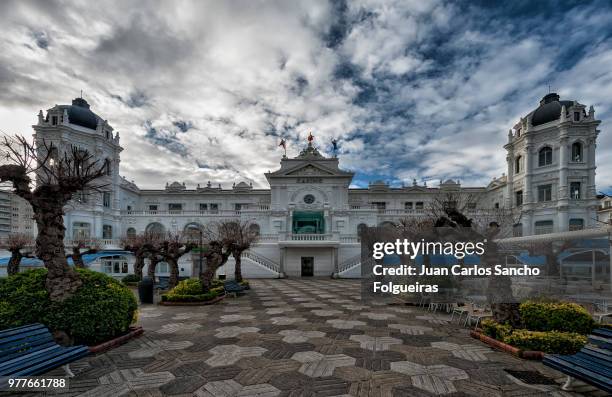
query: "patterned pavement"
311, 337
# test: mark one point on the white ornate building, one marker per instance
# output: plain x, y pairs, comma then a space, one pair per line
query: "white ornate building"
309, 218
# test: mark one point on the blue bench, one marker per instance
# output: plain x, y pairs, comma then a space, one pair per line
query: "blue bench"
592, 364
232, 287
31, 350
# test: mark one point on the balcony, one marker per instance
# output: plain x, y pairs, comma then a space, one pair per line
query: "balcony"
209, 213
309, 240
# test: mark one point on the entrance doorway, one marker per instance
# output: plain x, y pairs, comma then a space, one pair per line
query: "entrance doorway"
307, 266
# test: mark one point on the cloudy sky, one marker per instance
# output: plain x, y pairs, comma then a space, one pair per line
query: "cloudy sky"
203, 90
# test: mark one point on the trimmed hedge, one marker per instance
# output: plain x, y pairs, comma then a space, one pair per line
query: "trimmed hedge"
553, 342
130, 278
495, 330
556, 316
190, 286
189, 298
101, 309
190, 290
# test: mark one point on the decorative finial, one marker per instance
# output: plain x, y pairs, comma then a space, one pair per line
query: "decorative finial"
283, 144
310, 138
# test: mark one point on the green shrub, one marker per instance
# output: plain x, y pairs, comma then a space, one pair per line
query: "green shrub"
190, 286
553, 342
495, 330
102, 308
130, 278
189, 298
556, 316
218, 290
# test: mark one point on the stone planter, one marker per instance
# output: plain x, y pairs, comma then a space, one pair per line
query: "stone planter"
118, 341
203, 303
526, 354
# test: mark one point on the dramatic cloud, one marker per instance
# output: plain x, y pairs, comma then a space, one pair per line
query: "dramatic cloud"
203, 91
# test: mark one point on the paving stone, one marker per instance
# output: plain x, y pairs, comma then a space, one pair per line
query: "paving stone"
470, 352
230, 354
184, 384
375, 343
316, 364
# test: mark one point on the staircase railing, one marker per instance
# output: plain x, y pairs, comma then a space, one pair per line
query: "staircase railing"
262, 260
349, 263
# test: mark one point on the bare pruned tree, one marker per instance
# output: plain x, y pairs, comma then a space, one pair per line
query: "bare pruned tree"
47, 177
171, 247
142, 246
218, 247
91, 246
242, 236
20, 246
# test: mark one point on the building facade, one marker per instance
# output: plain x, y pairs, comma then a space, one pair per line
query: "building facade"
309, 218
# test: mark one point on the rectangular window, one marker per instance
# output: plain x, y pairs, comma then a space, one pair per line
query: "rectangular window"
408, 205
80, 230
517, 230
544, 193
106, 199
54, 120
471, 206
607, 204
543, 227
576, 116
419, 205
519, 198
203, 207
175, 207
576, 224
107, 267
153, 207
107, 231
116, 267
214, 208
238, 207
575, 190
379, 205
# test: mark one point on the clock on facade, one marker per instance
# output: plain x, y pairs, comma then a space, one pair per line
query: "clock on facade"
309, 199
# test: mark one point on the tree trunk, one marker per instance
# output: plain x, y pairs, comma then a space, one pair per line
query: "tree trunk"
174, 272
77, 258
13, 264
213, 262
62, 281
152, 265
238, 269
138, 265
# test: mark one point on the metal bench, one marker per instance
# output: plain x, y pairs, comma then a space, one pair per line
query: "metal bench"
31, 350
592, 364
232, 287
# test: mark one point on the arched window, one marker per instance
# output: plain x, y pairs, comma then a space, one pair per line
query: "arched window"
361, 228
155, 228
545, 156
577, 152
131, 232
517, 164
254, 229
387, 224
162, 268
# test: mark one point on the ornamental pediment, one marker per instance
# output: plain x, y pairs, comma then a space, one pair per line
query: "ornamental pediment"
309, 170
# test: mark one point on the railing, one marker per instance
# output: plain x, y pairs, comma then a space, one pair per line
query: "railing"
310, 237
267, 238
262, 260
349, 238
349, 263
102, 243
196, 212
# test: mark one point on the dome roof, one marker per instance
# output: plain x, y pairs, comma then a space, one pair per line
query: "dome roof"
79, 114
549, 109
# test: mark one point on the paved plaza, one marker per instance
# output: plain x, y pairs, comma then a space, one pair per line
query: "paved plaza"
314, 337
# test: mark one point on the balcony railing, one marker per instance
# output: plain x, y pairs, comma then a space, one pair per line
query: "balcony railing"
224, 213
310, 237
